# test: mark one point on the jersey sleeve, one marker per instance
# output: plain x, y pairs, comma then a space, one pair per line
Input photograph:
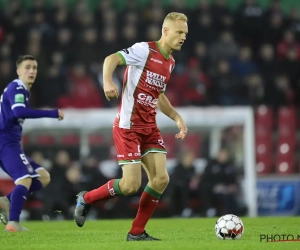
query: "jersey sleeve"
16, 97
135, 55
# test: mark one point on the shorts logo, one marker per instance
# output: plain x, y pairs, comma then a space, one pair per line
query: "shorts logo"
19, 98
161, 143
30, 169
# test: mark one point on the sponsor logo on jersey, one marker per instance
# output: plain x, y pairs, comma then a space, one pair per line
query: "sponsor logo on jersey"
147, 100
156, 80
155, 60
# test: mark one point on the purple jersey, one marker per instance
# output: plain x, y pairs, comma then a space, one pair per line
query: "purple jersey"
14, 95
13, 110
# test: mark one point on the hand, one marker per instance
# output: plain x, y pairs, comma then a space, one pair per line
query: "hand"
183, 129
61, 115
110, 90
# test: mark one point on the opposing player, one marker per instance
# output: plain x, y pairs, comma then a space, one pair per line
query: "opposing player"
137, 138
28, 176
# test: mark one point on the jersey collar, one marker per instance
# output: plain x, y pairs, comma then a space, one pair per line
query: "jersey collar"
21, 83
162, 51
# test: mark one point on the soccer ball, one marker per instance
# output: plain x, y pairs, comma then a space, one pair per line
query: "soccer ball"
229, 227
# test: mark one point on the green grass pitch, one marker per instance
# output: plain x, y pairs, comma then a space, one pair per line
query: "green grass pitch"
183, 234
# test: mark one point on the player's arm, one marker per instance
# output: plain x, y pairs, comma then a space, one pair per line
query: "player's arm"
109, 66
25, 113
166, 108
135, 55
17, 102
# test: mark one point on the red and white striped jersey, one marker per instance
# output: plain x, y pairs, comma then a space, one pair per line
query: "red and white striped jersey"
146, 76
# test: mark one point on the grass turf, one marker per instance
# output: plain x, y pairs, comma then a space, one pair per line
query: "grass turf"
183, 234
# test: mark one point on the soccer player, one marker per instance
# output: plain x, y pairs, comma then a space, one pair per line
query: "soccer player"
27, 175
137, 138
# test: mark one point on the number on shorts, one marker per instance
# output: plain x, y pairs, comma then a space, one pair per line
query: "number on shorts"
24, 159
139, 148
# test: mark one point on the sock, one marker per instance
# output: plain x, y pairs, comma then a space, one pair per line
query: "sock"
106, 191
18, 198
36, 185
147, 205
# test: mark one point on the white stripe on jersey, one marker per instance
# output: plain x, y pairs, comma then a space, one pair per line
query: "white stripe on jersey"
133, 77
136, 59
18, 105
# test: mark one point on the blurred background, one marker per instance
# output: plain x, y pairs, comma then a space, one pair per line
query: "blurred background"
240, 57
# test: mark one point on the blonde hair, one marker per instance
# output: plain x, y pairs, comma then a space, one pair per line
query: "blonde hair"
176, 16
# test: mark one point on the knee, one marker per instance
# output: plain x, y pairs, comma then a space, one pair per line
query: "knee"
45, 179
129, 187
25, 182
161, 182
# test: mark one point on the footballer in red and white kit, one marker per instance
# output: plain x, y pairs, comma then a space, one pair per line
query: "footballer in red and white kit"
135, 130
137, 138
